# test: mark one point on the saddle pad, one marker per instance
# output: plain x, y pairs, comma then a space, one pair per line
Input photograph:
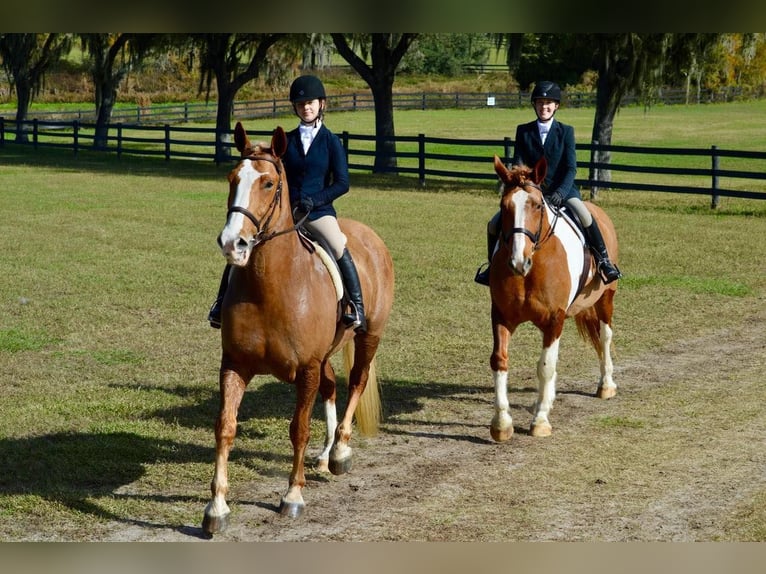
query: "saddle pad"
332, 268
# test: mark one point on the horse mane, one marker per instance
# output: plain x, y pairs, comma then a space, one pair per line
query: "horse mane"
516, 177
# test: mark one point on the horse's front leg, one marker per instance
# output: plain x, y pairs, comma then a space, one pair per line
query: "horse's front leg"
306, 385
232, 388
546, 376
501, 427
327, 391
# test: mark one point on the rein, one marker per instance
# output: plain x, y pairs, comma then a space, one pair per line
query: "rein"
262, 226
534, 237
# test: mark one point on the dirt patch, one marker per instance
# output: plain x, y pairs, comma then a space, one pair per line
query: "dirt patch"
676, 456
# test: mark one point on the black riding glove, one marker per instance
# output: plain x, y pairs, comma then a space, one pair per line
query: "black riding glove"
306, 204
555, 198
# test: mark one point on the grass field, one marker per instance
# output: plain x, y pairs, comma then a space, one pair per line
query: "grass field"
108, 385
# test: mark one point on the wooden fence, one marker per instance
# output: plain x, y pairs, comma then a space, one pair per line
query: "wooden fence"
704, 171
158, 114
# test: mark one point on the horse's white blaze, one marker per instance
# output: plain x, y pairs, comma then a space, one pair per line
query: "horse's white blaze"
546, 374
248, 175
519, 240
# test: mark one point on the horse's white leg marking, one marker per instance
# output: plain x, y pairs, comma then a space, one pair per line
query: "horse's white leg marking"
217, 507
607, 368
546, 375
331, 421
502, 420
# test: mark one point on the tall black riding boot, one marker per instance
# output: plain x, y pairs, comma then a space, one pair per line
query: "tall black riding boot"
214, 317
355, 317
482, 275
608, 270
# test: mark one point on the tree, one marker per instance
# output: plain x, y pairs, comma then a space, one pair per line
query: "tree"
26, 58
386, 51
221, 58
112, 57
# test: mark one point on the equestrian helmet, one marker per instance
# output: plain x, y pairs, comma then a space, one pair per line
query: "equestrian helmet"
305, 88
547, 90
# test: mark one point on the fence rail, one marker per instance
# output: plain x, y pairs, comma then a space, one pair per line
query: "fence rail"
202, 112
694, 170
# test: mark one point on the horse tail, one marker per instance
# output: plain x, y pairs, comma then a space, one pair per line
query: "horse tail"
589, 328
369, 411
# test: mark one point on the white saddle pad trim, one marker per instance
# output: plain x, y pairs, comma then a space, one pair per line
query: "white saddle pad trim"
337, 281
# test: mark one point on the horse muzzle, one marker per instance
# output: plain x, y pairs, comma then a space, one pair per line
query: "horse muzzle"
235, 250
520, 265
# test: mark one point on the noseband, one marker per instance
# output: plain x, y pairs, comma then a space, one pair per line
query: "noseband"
534, 237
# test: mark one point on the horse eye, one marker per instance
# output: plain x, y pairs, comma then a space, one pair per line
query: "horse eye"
269, 184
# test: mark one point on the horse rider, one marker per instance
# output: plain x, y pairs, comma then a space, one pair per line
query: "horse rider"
554, 140
317, 174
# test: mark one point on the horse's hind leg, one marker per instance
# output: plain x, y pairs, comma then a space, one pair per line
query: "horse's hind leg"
365, 347
604, 308
232, 388
328, 394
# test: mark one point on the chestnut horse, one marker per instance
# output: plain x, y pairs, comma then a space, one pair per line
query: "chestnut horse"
542, 272
280, 317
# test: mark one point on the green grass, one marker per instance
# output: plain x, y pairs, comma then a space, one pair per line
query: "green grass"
108, 391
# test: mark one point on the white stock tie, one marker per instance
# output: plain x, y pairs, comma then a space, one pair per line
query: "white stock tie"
306, 137
543, 133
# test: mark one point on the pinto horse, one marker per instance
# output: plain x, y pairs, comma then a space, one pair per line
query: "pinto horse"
280, 317
543, 273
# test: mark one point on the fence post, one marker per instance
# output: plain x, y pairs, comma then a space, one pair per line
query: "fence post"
715, 160
75, 136
344, 141
422, 159
506, 150
34, 132
167, 141
186, 112
2, 131
423, 104
592, 173
119, 141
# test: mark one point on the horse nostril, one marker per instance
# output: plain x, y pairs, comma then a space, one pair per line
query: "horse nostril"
242, 243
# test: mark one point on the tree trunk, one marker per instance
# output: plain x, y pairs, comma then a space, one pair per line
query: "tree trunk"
24, 95
385, 143
223, 116
608, 99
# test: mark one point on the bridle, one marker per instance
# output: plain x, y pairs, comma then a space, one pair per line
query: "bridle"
261, 227
534, 237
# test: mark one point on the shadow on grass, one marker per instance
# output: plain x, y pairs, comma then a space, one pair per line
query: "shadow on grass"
74, 469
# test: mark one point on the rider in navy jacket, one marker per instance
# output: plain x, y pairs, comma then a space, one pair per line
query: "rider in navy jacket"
317, 174
549, 138
321, 174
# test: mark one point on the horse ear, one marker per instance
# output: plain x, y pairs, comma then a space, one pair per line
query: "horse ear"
240, 138
278, 142
540, 170
500, 169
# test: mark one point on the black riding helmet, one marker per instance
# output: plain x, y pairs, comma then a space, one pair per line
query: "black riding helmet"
305, 88
547, 90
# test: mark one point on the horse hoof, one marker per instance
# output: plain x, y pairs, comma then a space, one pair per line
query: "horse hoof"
213, 524
501, 435
606, 392
541, 429
291, 509
338, 467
